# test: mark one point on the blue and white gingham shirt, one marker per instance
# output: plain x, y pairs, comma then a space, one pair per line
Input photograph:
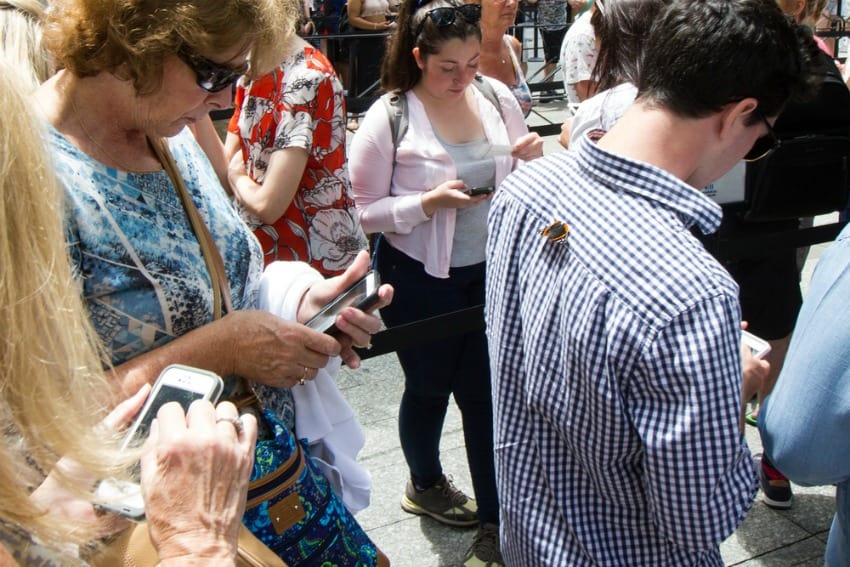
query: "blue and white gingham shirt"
616, 368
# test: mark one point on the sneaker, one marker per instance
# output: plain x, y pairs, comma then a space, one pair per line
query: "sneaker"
443, 502
751, 417
776, 490
485, 551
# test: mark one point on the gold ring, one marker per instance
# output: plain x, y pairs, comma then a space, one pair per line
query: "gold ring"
236, 421
303, 379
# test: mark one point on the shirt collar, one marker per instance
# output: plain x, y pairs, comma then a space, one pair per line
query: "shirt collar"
619, 173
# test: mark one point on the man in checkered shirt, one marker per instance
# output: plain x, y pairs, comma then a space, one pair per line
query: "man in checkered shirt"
614, 336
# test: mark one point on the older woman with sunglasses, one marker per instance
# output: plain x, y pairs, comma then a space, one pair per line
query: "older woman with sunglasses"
135, 75
501, 53
428, 193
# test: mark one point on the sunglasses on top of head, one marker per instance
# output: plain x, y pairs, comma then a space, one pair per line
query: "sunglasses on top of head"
766, 144
445, 16
210, 76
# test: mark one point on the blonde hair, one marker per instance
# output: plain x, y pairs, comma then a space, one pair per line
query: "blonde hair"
20, 37
130, 38
52, 390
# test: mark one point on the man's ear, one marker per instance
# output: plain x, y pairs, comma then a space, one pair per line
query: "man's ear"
736, 114
417, 56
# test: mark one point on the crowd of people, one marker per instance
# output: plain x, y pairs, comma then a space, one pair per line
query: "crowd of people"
603, 406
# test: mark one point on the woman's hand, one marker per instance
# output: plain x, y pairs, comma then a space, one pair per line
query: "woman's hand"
357, 326
195, 471
449, 195
52, 494
274, 351
308, 27
528, 147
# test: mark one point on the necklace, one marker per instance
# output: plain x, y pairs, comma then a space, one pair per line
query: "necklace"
97, 144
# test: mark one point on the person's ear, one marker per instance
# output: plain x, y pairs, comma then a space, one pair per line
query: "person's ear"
417, 56
736, 114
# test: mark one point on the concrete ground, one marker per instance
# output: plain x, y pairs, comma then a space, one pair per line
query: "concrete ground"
766, 538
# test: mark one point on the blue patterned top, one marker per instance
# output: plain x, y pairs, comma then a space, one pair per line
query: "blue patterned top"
132, 245
616, 365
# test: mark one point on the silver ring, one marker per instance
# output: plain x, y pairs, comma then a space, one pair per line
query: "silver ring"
303, 379
236, 421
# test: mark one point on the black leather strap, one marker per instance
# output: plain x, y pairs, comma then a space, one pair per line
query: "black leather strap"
425, 330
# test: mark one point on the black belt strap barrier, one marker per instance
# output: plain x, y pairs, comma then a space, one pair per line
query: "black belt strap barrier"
425, 331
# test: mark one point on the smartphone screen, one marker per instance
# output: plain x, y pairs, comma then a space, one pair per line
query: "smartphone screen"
758, 346
166, 393
177, 383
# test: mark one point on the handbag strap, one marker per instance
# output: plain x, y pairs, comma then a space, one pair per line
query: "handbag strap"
243, 395
212, 257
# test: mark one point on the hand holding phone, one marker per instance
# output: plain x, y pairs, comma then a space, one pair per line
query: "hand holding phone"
758, 346
176, 383
363, 295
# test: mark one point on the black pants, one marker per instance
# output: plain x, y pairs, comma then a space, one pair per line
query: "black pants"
457, 365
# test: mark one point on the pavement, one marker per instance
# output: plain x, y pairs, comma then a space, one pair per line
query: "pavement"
767, 537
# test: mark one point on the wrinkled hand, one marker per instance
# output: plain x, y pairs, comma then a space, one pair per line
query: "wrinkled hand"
274, 351
53, 495
356, 326
528, 147
195, 473
449, 195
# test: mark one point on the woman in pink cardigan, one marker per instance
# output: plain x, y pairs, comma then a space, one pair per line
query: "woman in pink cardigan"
459, 136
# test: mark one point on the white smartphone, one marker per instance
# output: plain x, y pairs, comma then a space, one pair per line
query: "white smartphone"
176, 383
758, 346
363, 295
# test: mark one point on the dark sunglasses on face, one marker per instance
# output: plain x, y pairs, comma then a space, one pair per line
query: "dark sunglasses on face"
210, 76
445, 16
764, 145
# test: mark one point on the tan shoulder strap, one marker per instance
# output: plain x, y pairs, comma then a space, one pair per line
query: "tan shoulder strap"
212, 257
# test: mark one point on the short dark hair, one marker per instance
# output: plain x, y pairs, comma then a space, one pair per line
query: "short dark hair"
702, 55
621, 30
399, 71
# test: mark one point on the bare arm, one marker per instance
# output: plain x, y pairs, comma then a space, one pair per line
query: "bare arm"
253, 344
269, 200
585, 89
210, 142
355, 7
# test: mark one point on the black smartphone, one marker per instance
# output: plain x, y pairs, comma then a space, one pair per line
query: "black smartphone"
363, 295
484, 190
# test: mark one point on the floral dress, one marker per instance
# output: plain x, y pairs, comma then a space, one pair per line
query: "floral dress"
300, 105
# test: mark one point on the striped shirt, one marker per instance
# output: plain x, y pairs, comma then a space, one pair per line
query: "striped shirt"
616, 368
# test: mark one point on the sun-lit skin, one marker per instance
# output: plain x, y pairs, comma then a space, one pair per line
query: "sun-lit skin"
447, 74
180, 101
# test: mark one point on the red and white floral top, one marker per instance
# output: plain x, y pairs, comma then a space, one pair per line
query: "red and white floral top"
301, 104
